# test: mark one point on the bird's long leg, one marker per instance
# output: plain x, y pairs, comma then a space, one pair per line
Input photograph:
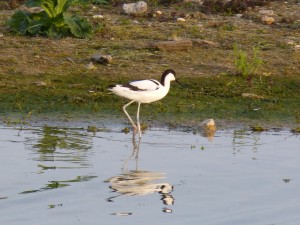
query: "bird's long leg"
138, 119
131, 121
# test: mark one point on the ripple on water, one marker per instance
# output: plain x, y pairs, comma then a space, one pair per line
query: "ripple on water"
172, 177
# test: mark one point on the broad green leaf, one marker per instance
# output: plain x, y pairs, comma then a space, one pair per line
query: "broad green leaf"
62, 5
59, 21
49, 7
19, 22
53, 21
79, 26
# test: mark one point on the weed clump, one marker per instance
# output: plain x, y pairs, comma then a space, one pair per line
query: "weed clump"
296, 130
245, 67
51, 20
258, 128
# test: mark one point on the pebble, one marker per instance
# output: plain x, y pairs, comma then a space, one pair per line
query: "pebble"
40, 83
32, 9
1, 35
290, 42
70, 59
102, 59
199, 2
266, 12
251, 95
157, 13
208, 124
180, 19
138, 8
98, 16
268, 20
90, 66
208, 128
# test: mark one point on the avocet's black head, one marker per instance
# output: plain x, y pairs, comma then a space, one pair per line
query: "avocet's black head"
171, 76
168, 72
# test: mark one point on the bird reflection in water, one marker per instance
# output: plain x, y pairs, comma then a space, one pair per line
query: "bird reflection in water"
139, 182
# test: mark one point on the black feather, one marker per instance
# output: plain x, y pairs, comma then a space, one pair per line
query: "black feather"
165, 74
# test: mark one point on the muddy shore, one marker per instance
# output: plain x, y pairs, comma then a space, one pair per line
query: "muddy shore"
48, 78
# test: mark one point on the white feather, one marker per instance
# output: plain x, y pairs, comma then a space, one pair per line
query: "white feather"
146, 85
146, 90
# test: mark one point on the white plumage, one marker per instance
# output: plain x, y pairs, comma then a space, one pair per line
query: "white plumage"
144, 91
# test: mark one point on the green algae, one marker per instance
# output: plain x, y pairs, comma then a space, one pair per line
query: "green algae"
220, 97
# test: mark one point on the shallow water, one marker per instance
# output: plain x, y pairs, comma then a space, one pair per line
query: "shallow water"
52, 175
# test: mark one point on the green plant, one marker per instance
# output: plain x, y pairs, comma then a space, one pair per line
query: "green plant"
100, 2
243, 66
52, 20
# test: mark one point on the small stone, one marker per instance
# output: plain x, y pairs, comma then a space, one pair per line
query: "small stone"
138, 8
208, 128
180, 19
290, 42
70, 60
102, 59
32, 9
98, 16
92, 129
258, 128
251, 95
40, 83
268, 20
239, 15
297, 47
199, 2
90, 66
266, 12
157, 13
208, 124
125, 130
1, 35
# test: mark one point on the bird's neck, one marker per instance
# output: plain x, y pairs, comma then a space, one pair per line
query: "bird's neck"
166, 82
167, 85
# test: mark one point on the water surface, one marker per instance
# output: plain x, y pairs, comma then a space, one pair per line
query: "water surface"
66, 175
